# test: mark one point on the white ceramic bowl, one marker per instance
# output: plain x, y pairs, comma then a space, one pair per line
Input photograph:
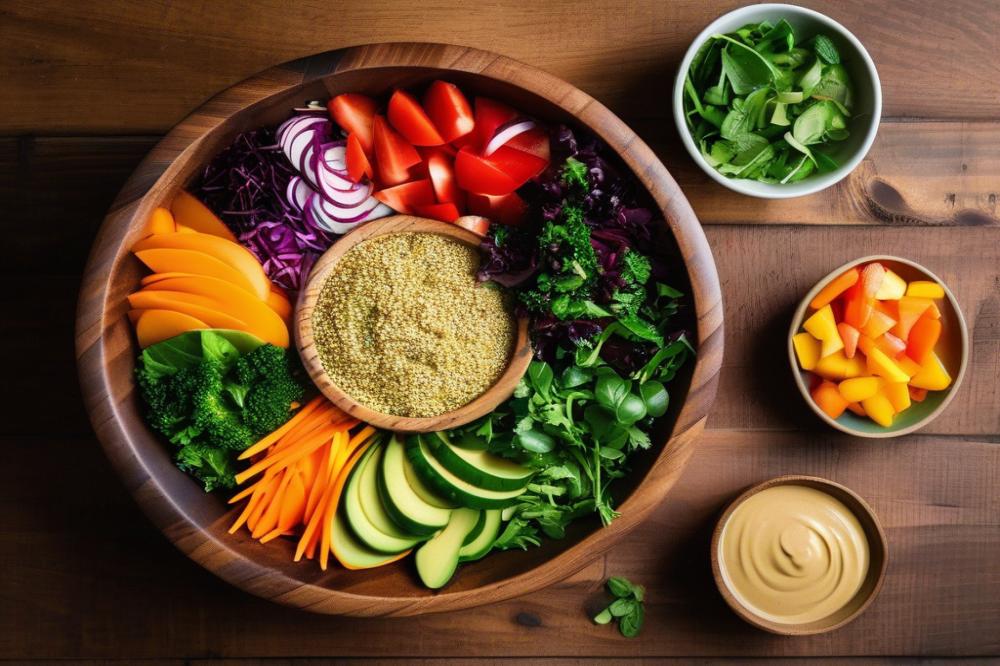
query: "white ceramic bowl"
867, 99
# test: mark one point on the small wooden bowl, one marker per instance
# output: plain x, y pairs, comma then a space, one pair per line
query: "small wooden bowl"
485, 403
878, 549
952, 348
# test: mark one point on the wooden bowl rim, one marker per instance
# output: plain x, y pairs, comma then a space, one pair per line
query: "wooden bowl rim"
963, 338
218, 554
502, 388
869, 522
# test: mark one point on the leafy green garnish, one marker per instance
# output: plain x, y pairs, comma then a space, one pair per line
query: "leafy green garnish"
745, 89
627, 607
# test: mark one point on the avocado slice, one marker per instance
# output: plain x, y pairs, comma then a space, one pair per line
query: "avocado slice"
482, 543
438, 558
449, 485
361, 502
400, 500
480, 468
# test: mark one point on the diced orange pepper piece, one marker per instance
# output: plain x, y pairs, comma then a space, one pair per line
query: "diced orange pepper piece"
878, 323
910, 310
828, 399
857, 308
836, 287
857, 409
849, 335
933, 312
923, 336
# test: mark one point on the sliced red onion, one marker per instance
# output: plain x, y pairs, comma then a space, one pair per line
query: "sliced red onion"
335, 156
336, 179
297, 147
298, 125
298, 192
345, 213
506, 132
343, 198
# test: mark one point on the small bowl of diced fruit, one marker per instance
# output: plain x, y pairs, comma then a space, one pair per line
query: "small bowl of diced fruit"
878, 347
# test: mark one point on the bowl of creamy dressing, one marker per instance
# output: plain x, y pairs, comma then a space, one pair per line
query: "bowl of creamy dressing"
799, 555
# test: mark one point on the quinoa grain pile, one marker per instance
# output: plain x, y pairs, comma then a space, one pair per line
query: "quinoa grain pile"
403, 326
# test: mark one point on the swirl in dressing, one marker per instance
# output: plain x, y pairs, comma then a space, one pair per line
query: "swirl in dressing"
793, 554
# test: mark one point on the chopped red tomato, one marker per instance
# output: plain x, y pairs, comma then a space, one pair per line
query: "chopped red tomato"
409, 119
441, 170
354, 113
449, 110
406, 198
358, 165
393, 154
474, 223
490, 115
534, 142
476, 174
520, 166
446, 212
509, 210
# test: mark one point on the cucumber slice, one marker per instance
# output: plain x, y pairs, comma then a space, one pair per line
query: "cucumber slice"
449, 485
438, 558
361, 501
480, 468
483, 542
350, 552
421, 489
401, 502
477, 529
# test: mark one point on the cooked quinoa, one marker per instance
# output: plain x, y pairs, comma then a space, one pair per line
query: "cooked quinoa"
403, 326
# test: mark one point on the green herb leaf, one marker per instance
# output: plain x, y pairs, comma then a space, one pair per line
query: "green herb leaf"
826, 49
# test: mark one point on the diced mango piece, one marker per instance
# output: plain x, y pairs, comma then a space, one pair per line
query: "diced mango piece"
849, 336
910, 309
857, 389
883, 366
857, 409
933, 311
823, 327
878, 324
925, 289
837, 366
879, 409
908, 365
806, 349
887, 342
918, 395
933, 376
828, 399
892, 288
898, 394
857, 307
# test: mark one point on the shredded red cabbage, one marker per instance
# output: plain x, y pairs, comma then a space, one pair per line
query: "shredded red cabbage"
246, 186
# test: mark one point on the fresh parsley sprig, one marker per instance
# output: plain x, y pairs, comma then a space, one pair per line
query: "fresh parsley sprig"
627, 607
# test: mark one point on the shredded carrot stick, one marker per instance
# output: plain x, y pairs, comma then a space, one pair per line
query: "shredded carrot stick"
288, 455
280, 432
338, 488
312, 527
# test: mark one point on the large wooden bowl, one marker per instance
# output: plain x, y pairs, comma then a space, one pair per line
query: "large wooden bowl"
195, 522
520, 355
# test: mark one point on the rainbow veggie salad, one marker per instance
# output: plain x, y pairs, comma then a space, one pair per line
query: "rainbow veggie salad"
566, 231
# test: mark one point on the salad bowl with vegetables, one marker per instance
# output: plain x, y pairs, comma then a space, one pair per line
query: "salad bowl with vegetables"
193, 379
777, 101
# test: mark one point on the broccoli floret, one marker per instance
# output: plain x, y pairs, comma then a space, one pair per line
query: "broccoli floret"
210, 465
270, 375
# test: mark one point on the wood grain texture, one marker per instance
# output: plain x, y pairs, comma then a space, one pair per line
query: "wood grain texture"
95, 562
159, 59
195, 522
502, 388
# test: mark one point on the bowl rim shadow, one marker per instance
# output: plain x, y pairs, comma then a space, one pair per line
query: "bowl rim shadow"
962, 338
878, 548
517, 362
104, 345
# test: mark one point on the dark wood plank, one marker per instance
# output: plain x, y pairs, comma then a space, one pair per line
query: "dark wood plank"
85, 576
140, 67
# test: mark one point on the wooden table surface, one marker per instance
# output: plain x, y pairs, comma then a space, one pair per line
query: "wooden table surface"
89, 86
